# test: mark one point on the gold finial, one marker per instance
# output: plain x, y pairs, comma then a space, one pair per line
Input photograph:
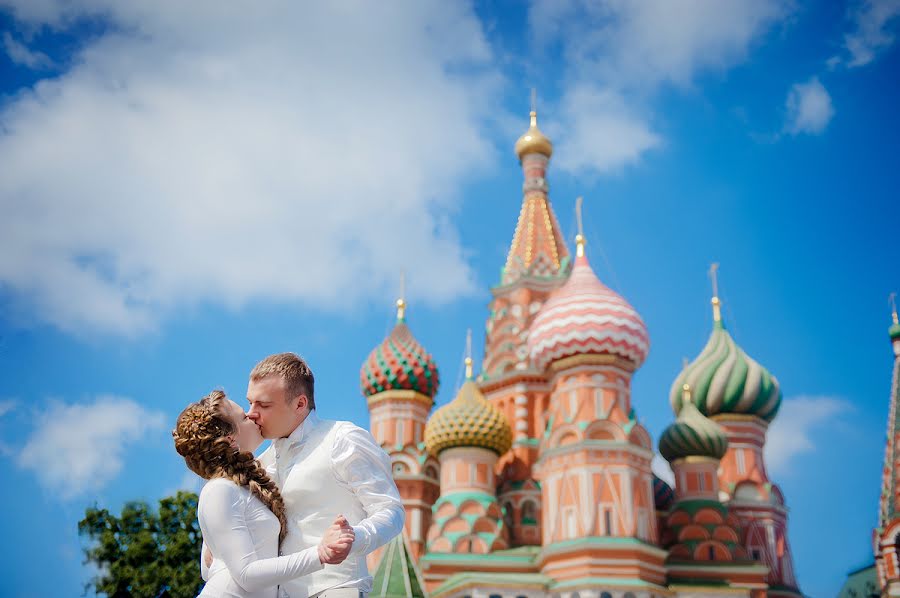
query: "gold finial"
685, 393
533, 141
717, 311
684, 363
579, 238
469, 354
401, 302
892, 299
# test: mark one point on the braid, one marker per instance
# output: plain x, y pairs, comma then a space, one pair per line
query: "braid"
201, 438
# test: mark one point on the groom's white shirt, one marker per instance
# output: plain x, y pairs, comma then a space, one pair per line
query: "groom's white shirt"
326, 468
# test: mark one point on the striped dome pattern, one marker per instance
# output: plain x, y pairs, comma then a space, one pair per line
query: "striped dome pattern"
468, 420
692, 435
585, 316
724, 379
399, 363
663, 495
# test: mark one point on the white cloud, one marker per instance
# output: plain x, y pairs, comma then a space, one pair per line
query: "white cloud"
662, 469
619, 54
874, 24
21, 55
809, 108
601, 132
7, 406
297, 153
792, 432
79, 447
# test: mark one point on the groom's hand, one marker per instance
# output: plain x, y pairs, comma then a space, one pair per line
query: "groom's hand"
336, 542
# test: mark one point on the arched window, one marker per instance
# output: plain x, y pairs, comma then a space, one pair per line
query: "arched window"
897, 547
605, 595
529, 512
628, 595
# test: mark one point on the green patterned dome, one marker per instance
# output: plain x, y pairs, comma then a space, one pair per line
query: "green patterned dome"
468, 420
399, 363
894, 331
692, 435
724, 379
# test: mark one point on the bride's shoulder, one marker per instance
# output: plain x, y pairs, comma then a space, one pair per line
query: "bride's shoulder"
218, 489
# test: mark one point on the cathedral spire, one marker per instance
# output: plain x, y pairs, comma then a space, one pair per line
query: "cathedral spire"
885, 540
538, 249
890, 493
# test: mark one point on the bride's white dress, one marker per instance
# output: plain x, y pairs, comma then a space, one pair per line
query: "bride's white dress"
243, 533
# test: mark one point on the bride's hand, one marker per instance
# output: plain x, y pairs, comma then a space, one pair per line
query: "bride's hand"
336, 542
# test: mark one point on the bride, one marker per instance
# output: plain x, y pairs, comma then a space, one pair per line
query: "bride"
241, 511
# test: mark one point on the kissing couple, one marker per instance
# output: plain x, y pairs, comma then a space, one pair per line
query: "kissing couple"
299, 521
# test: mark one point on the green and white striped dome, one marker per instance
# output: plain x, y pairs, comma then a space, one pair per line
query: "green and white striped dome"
724, 379
692, 435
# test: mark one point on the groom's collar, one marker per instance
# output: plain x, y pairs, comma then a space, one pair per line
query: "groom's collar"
300, 432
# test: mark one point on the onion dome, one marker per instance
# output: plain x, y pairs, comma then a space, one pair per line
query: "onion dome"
663, 495
692, 434
585, 316
399, 363
533, 141
724, 379
468, 420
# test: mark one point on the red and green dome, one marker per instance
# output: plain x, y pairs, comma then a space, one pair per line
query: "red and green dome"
399, 363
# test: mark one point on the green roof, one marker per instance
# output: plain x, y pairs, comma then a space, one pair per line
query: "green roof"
397, 575
861, 583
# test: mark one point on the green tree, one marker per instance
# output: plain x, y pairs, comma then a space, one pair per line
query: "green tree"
142, 553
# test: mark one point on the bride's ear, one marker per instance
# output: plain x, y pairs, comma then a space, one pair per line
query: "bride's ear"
232, 441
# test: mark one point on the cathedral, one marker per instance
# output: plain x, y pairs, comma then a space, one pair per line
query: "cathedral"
535, 481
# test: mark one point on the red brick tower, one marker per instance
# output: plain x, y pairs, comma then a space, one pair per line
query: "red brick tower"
399, 380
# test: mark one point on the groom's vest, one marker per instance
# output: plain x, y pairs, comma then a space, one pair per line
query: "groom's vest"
312, 499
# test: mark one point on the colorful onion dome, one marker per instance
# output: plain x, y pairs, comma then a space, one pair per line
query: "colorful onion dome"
468, 420
692, 434
586, 316
399, 363
663, 495
533, 141
724, 379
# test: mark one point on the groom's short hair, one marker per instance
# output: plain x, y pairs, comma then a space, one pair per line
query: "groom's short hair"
290, 367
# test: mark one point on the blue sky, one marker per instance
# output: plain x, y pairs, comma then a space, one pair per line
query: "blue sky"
186, 189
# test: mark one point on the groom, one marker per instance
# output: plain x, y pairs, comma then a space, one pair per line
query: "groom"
322, 467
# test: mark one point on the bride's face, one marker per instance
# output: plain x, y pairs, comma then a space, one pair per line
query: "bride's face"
246, 433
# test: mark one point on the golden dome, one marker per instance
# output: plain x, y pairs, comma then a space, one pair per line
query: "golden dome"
533, 141
468, 420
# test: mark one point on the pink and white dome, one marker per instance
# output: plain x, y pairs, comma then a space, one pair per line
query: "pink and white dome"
585, 316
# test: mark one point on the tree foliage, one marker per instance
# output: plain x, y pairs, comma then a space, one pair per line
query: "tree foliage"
143, 553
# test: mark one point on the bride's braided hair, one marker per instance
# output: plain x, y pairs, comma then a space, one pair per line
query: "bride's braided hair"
201, 438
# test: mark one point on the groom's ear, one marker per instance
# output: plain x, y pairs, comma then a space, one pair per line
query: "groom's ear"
302, 402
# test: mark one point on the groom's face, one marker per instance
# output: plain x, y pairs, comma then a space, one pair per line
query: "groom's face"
272, 410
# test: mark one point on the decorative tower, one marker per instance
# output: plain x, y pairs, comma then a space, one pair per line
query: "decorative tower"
537, 263
399, 380
467, 435
702, 535
594, 463
886, 538
743, 397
